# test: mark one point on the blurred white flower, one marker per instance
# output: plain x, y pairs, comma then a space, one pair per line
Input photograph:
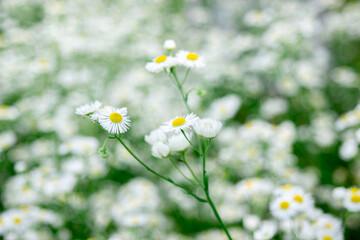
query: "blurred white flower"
161, 63
169, 44
224, 108
190, 59
266, 231
88, 109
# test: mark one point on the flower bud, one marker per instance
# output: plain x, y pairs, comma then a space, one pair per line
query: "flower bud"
160, 150
169, 45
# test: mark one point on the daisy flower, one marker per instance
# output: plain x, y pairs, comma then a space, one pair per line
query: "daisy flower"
178, 143
352, 200
190, 59
159, 63
301, 199
88, 109
180, 123
160, 150
207, 127
114, 120
283, 207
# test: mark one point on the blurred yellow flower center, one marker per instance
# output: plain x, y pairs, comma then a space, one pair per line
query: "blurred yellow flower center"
160, 59
328, 225
287, 187
17, 220
355, 199
178, 122
327, 238
298, 198
116, 117
4, 107
284, 205
354, 189
192, 56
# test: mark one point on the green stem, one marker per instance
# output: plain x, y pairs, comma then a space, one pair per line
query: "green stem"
217, 214
206, 189
179, 86
176, 167
157, 174
195, 148
186, 76
191, 171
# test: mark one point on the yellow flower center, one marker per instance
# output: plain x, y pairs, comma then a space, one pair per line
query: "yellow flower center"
249, 184
287, 187
328, 225
248, 125
192, 56
298, 198
17, 220
355, 199
24, 208
116, 117
327, 238
178, 122
160, 59
4, 107
354, 190
284, 205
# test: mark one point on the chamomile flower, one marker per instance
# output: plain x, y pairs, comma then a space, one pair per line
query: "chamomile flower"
88, 109
160, 63
178, 142
189, 59
207, 127
177, 124
266, 231
352, 200
114, 120
283, 207
301, 199
155, 136
160, 150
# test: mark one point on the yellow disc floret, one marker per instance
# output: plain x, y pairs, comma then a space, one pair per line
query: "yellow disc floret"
327, 238
17, 220
178, 122
284, 205
160, 59
298, 198
354, 190
116, 117
192, 56
355, 198
287, 187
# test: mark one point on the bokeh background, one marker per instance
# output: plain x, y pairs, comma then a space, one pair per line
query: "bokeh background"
287, 70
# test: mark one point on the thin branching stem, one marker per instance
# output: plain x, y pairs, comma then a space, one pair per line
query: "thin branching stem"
156, 173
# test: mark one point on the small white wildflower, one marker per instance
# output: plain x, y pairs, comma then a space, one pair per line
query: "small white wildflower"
207, 127
160, 63
189, 59
179, 143
114, 120
160, 150
180, 123
88, 109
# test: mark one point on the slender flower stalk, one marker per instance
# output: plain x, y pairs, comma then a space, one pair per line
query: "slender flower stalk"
156, 173
203, 153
